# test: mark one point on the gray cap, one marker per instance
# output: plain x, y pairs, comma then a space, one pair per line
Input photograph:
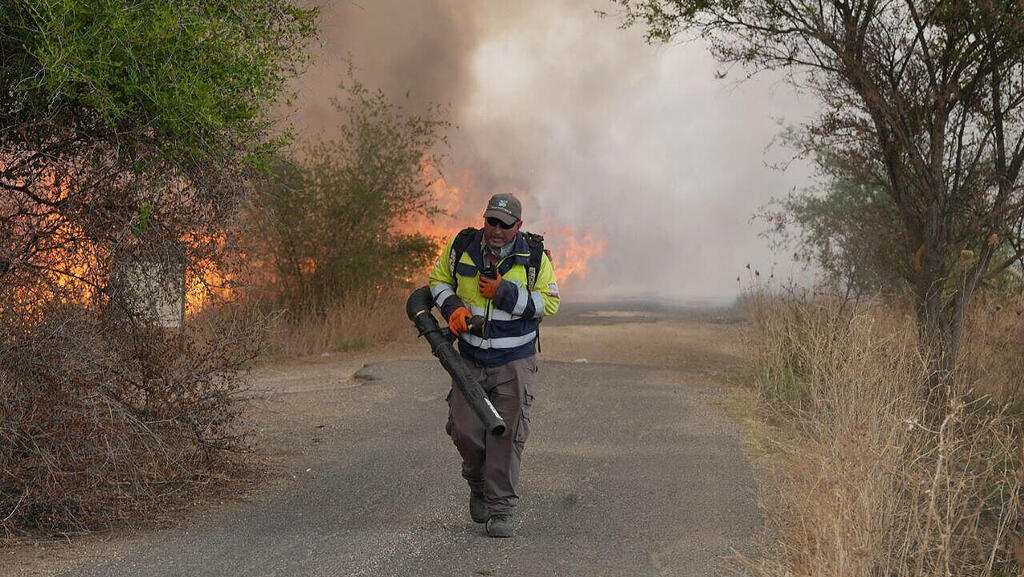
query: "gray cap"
504, 207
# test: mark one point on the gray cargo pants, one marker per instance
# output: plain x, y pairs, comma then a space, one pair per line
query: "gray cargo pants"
491, 464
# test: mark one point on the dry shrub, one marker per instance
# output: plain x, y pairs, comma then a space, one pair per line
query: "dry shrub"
350, 323
864, 485
101, 419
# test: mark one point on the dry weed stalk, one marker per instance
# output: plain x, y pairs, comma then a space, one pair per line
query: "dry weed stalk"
354, 322
870, 486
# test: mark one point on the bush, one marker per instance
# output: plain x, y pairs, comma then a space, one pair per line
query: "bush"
123, 156
326, 227
847, 229
97, 421
874, 483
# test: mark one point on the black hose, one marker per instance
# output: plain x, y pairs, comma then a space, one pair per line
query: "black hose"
418, 309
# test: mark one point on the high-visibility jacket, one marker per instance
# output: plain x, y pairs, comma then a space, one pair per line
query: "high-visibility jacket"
512, 317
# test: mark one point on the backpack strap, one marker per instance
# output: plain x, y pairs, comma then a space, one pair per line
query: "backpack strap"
536, 244
459, 246
537, 250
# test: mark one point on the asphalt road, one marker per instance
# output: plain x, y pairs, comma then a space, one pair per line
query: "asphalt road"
628, 472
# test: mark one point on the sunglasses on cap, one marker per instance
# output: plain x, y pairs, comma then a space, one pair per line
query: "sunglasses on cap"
497, 222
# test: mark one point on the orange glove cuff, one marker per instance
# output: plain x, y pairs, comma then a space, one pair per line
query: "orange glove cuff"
457, 320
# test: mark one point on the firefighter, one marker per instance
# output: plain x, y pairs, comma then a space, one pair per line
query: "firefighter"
501, 355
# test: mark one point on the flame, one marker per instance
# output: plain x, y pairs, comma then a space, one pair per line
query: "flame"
206, 282
453, 202
63, 261
571, 252
75, 266
71, 269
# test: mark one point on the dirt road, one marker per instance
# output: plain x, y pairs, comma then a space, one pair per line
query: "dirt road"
630, 470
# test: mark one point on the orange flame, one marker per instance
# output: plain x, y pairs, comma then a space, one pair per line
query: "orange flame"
451, 200
571, 253
463, 205
205, 282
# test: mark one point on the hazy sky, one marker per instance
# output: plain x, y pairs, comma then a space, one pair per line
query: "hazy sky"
639, 145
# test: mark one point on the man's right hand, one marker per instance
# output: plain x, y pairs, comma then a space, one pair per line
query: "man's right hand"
458, 319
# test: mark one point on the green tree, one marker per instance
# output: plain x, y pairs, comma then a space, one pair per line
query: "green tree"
128, 131
848, 230
921, 96
329, 224
111, 106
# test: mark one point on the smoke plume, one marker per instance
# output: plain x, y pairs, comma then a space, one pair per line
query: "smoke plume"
641, 146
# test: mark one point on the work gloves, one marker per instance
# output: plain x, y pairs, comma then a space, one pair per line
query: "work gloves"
457, 321
489, 286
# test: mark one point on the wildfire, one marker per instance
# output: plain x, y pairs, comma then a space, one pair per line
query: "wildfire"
74, 271
452, 200
205, 281
571, 250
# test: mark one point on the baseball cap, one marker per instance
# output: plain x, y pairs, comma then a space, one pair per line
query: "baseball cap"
504, 207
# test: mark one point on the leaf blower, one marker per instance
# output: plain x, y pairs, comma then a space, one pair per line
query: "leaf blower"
440, 339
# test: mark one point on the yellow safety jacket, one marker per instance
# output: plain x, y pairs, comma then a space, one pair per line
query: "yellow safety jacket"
512, 317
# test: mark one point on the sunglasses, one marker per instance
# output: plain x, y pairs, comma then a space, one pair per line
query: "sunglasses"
497, 222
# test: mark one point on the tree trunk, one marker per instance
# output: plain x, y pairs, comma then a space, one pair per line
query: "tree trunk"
939, 342
938, 330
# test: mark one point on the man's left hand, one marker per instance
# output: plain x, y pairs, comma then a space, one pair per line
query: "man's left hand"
489, 286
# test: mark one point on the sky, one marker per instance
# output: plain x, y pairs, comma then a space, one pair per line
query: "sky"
639, 151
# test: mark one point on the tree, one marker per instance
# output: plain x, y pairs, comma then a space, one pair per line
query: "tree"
922, 98
127, 116
328, 225
128, 129
849, 230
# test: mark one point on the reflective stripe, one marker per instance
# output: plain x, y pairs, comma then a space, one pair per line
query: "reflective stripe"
440, 288
444, 296
442, 292
500, 315
538, 304
496, 313
524, 297
503, 343
447, 295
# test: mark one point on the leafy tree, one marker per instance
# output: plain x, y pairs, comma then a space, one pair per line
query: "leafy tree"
850, 231
329, 224
119, 109
923, 97
128, 129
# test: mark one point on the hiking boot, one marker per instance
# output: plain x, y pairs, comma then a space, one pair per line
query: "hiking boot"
478, 508
499, 526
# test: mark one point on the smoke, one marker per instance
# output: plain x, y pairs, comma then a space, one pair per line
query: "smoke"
597, 131
418, 53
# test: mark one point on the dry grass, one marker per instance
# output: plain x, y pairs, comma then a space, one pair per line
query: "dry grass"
863, 486
353, 323
993, 359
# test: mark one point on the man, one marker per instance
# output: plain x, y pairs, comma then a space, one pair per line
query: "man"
500, 355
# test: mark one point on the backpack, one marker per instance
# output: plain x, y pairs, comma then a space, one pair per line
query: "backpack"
534, 241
